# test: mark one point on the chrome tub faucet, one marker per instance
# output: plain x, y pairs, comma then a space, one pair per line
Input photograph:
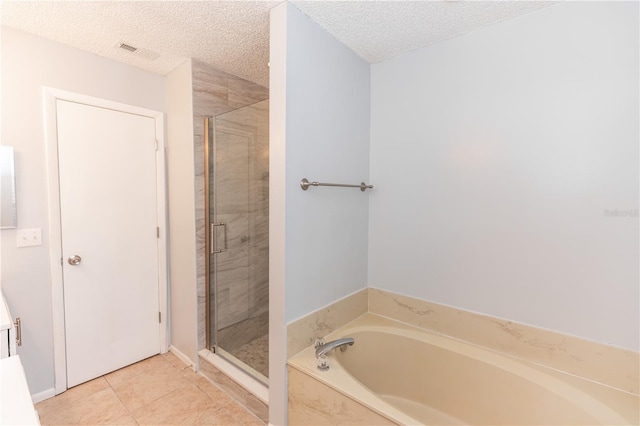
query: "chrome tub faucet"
322, 349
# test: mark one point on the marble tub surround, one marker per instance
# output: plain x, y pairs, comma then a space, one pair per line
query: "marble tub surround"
612, 366
405, 374
312, 402
303, 332
214, 93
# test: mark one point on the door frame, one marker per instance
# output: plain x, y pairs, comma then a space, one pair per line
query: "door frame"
50, 97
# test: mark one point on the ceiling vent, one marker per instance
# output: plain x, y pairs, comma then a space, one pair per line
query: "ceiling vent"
138, 51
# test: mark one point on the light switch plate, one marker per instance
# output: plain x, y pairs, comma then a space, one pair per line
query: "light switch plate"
29, 237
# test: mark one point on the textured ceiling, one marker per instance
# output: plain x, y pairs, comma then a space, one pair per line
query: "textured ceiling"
234, 35
379, 30
231, 35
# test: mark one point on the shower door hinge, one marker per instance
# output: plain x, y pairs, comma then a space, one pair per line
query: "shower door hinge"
160, 317
156, 144
157, 232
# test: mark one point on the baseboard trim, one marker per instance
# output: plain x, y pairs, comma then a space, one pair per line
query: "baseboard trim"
45, 394
182, 357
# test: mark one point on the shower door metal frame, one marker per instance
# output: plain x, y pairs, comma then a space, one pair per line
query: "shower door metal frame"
209, 143
210, 146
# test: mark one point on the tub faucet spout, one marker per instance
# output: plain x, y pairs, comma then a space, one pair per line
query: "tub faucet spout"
325, 348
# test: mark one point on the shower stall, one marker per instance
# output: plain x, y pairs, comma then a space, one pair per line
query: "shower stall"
237, 237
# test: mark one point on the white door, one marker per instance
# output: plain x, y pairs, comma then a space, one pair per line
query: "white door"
107, 173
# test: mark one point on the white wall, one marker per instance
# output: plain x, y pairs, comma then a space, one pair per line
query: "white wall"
319, 129
28, 64
496, 155
277, 212
327, 140
182, 228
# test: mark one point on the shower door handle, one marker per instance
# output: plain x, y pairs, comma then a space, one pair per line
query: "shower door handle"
214, 249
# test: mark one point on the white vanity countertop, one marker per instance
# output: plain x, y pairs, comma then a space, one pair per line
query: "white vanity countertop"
5, 319
16, 407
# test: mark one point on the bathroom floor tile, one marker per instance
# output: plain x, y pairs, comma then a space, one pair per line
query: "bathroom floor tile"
124, 420
255, 354
102, 407
74, 394
152, 364
158, 390
217, 416
181, 407
189, 374
174, 360
144, 388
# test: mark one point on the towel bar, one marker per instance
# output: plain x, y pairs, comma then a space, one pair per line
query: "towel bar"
305, 184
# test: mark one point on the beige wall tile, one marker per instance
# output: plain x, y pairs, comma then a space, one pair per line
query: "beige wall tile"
303, 332
609, 365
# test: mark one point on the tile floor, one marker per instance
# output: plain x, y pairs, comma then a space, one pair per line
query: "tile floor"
255, 354
248, 341
160, 390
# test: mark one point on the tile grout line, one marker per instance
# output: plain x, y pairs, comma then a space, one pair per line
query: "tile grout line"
120, 400
224, 404
179, 370
232, 399
222, 407
131, 414
218, 409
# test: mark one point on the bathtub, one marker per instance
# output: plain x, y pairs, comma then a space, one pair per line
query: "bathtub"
407, 375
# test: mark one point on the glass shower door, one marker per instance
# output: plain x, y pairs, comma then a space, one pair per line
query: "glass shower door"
239, 235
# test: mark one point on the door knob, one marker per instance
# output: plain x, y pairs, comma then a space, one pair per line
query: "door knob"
74, 260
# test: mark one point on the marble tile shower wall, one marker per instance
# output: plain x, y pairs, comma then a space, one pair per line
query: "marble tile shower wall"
214, 93
259, 213
242, 204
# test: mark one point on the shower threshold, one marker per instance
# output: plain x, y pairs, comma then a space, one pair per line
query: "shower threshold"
247, 389
240, 364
